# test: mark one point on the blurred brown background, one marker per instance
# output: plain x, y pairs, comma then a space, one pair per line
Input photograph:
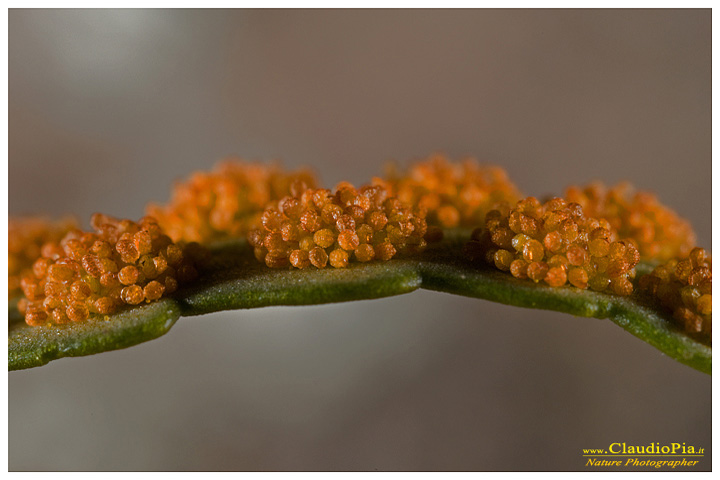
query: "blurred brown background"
108, 107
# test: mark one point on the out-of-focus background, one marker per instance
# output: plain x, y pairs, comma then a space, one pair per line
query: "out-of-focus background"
108, 107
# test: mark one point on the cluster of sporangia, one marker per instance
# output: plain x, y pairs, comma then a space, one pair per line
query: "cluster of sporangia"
26, 236
658, 232
317, 227
685, 287
226, 202
454, 194
556, 243
120, 263
291, 223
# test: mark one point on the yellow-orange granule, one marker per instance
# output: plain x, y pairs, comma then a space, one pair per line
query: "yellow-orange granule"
555, 243
659, 232
453, 193
120, 263
684, 286
227, 201
26, 238
318, 227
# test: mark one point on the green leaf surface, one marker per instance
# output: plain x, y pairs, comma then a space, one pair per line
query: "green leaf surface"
233, 279
35, 346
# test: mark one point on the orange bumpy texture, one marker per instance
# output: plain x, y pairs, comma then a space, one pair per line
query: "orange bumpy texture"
319, 227
121, 263
26, 238
659, 232
454, 194
684, 286
226, 202
555, 243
